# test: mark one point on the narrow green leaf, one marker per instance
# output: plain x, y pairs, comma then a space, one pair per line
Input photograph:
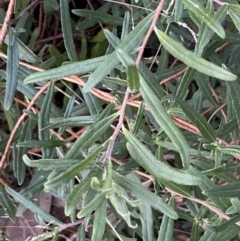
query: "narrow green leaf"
7, 204
205, 16
234, 90
31, 206
148, 161
91, 135
43, 118
133, 78
152, 80
44, 236
12, 71
132, 72
99, 221
223, 226
201, 123
195, 232
132, 40
81, 236
165, 121
71, 121
67, 30
88, 23
66, 176
112, 38
19, 167
167, 225
235, 16
146, 217
231, 150
50, 6
139, 118
126, 28
185, 82
121, 208
51, 164
144, 194
178, 10
181, 189
92, 205
192, 60
81, 67
77, 192
24, 52
208, 236
99, 16
108, 180
227, 234
203, 84
228, 191
205, 33
45, 143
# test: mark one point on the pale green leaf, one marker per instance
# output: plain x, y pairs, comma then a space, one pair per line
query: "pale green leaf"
149, 162
132, 40
192, 60
31, 206
144, 194
99, 221
12, 71
165, 121
67, 30
201, 13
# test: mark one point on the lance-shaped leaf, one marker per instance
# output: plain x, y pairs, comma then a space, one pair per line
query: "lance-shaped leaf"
77, 192
51, 164
12, 71
201, 123
234, 90
132, 40
165, 122
167, 225
234, 13
93, 204
201, 13
192, 60
19, 167
31, 206
99, 221
67, 30
146, 217
143, 156
90, 135
66, 176
81, 67
43, 118
223, 226
45, 144
7, 203
228, 191
132, 72
144, 194
99, 16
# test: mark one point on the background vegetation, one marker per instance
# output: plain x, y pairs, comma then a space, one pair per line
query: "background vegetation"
127, 113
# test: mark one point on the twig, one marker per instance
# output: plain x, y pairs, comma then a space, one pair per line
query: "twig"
6, 22
125, 100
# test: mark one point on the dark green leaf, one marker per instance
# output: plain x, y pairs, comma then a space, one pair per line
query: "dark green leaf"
12, 71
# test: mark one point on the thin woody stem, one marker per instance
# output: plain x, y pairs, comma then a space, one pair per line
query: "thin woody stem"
4, 30
125, 100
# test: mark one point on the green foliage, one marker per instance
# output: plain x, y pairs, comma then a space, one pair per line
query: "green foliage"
179, 135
